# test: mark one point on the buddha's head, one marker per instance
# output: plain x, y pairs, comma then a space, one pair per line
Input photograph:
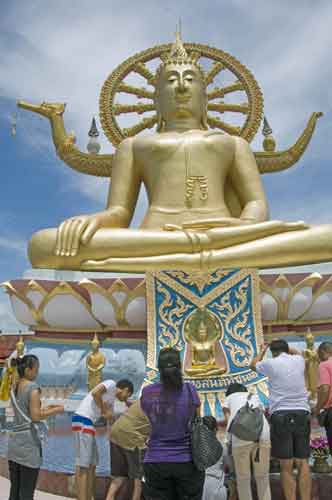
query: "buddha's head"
202, 331
95, 343
180, 89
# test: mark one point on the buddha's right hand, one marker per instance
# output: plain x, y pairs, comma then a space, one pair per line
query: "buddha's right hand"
78, 230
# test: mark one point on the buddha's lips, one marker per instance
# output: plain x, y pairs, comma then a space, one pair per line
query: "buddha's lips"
182, 99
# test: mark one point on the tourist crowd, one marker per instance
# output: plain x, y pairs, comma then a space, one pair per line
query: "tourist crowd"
152, 441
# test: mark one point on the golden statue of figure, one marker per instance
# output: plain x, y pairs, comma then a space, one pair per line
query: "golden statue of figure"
7, 380
20, 347
202, 335
207, 205
10, 375
311, 365
95, 363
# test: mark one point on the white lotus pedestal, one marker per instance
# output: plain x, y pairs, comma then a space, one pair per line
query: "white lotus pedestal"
289, 302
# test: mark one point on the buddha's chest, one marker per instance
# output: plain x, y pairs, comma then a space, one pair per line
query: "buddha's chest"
202, 352
184, 155
203, 347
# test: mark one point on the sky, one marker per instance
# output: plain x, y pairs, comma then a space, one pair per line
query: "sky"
64, 50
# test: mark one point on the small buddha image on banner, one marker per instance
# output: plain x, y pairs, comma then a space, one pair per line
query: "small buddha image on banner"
213, 319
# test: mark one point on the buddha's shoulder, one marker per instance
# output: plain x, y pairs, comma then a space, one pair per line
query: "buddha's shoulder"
146, 141
220, 140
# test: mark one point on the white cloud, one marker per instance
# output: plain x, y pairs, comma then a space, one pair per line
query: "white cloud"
13, 243
8, 322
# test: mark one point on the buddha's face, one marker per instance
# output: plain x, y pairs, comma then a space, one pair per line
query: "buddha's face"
20, 349
94, 346
310, 341
202, 332
180, 93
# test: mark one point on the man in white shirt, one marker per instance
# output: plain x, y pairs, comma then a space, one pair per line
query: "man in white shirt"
290, 415
98, 403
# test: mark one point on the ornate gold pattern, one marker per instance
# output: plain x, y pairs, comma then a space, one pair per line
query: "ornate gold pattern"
202, 330
275, 161
321, 287
201, 278
285, 300
101, 165
65, 288
97, 165
222, 60
117, 286
172, 308
238, 339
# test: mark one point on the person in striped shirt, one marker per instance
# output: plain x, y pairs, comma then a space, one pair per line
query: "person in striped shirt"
98, 403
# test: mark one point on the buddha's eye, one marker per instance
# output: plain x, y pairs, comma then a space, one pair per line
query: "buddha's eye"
172, 79
188, 78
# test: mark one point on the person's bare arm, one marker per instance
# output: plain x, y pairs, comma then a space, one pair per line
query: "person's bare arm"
322, 398
37, 412
247, 182
259, 356
226, 414
97, 395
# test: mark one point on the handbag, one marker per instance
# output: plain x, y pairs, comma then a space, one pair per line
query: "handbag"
206, 449
40, 429
248, 422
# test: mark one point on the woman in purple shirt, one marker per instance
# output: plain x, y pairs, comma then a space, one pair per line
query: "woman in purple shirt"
170, 405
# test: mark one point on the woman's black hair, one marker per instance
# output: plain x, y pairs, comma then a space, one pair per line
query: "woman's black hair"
27, 361
235, 387
169, 364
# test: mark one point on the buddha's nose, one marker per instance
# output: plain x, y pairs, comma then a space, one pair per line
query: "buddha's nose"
181, 84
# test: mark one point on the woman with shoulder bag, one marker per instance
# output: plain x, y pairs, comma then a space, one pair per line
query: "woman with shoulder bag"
24, 445
170, 405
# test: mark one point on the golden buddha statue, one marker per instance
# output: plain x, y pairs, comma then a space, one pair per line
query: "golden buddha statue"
311, 365
202, 335
7, 380
207, 205
20, 347
10, 374
95, 363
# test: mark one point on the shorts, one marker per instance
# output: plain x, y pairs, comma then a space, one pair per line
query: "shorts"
126, 463
167, 481
85, 442
290, 434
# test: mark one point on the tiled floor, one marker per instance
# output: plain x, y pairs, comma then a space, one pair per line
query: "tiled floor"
39, 495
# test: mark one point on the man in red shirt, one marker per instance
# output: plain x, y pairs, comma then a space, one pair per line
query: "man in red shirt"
324, 401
